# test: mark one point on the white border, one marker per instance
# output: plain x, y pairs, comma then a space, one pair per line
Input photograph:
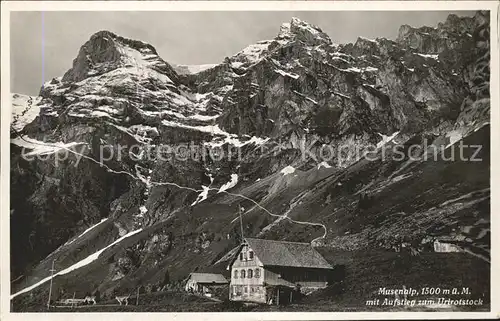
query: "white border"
6, 7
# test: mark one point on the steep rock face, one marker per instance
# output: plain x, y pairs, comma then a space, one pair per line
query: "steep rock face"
106, 51
393, 88
24, 110
447, 36
275, 106
475, 109
452, 41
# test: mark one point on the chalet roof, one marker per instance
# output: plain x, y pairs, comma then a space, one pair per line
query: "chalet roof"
290, 254
208, 278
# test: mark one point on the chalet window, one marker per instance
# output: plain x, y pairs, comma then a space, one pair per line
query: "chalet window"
250, 273
246, 289
243, 274
235, 274
250, 255
241, 256
252, 289
257, 273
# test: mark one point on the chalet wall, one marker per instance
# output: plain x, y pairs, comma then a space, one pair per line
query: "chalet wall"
246, 280
246, 264
247, 261
190, 284
273, 277
314, 278
445, 247
195, 286
247, 289
247, 293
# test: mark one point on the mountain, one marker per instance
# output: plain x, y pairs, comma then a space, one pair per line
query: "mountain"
127, 166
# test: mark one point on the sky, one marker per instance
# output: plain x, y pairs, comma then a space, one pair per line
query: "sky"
44, 44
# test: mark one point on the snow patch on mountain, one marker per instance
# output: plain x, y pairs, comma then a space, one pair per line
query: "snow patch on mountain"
192, 69
304, 25
86, 231
86, 261
42, 148
142, 210
341, 95
306, 97
324, 164
435, 57
141, 65
211, 129
203, 117
386, 139
257, 140
454, 136
24, 110
202, 196
353, 69
162, 113
232, 183
234, 140
286, 74
252, 53
367, 39
99, 113
288, 170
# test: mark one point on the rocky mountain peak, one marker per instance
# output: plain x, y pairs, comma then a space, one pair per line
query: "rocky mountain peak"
453, 24
452, 35
296, 32
458, 24
303, 31
363, 42
106, 51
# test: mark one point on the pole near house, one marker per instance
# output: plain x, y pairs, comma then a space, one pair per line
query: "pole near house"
241, 223
137, 300
50, 288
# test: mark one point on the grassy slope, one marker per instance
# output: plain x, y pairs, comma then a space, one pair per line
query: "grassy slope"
366, 271
409, 199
